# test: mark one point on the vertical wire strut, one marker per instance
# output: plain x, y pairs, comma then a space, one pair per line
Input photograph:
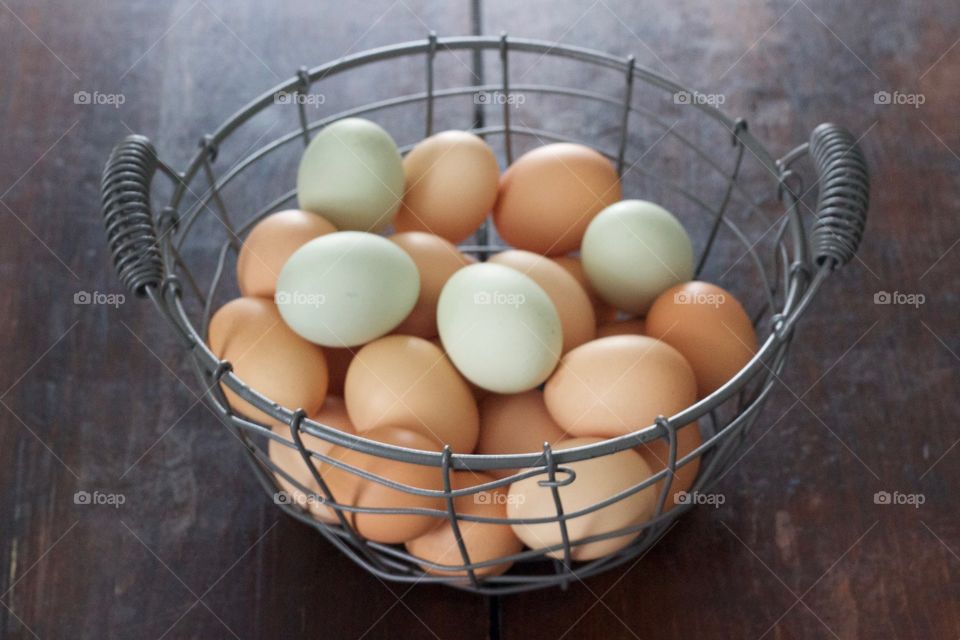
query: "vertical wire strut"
303, 89
739, 127
625, 118
452, 516
431, 54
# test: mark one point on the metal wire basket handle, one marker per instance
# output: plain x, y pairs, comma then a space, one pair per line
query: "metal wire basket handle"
127, 214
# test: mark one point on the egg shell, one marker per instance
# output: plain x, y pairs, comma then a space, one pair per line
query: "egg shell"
436, 259
516, 423
603, 311
452, 180
270, 244
596, 480
549, 195
628, 327
617, 385
709, 327
333, 414
633, 251
577, 318
353, 490
351, 173
499, 328
657, 454
347, 288
484, 541
268, 357
408, 382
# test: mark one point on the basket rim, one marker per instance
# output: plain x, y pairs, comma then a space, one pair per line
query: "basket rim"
797, 295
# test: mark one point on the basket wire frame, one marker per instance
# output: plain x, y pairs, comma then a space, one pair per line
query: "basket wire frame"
148, 256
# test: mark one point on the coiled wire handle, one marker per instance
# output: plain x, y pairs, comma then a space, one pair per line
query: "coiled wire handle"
844, 194
127, 216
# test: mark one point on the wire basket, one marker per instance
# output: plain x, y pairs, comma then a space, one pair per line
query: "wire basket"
790, 249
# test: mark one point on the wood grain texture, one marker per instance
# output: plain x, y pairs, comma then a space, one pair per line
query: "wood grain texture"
98, 398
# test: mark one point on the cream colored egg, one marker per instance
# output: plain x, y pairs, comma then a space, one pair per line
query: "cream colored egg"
352, 174
499, 328
596, 480
347, 288
633, 251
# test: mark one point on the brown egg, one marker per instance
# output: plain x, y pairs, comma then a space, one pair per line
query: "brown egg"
333, 414
550, 194
657, 455
338, 361
709, 327
573, 305
597, 479
353, 490
452, 180
483, 541
629, 327
270, 243
603, 311
516, 423
268, 356
407, 382
436, 259
617, 385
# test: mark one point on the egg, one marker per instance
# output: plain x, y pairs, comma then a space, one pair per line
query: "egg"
268, 357
270, 243
549, 195
633, 251
630, 326
333, 414
657, 454
351, 173
577, 319
452, 181
347, 288
616, 385
408, 382
516, 423
499, 328
483, 541
349, 488
596, 480
709, 327
603, 311
436, 259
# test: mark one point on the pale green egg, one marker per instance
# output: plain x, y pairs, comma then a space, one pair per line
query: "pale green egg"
347, 288
351, 173
499, 328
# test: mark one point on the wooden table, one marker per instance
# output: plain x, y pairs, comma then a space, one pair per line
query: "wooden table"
98, 398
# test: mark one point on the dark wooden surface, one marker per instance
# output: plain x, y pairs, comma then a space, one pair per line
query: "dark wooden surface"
98, 398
